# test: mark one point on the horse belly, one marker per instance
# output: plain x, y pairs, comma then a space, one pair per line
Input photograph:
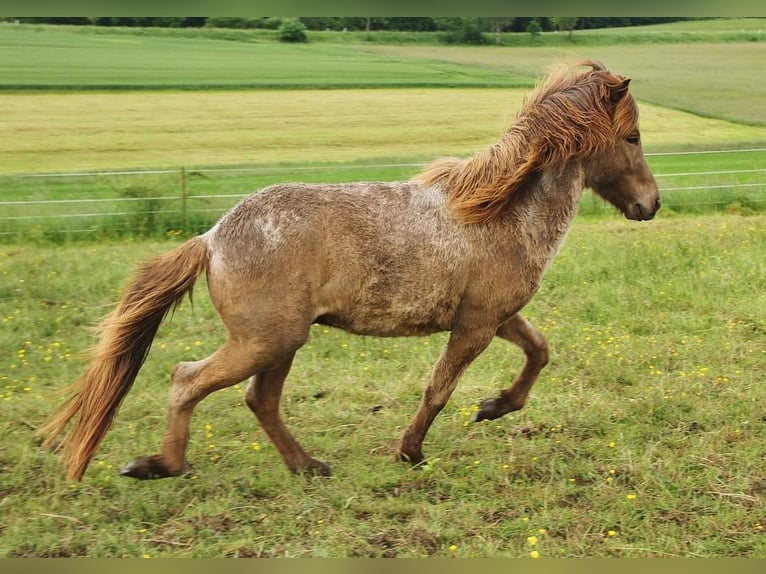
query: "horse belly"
393, 317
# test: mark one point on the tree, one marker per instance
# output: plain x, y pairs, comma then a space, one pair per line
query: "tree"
292, 31
534, 28
565, 23
226, 22
462, 30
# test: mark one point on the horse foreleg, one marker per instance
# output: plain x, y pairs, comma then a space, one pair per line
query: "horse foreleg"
462, 348
263, 394
519, 331
191, 382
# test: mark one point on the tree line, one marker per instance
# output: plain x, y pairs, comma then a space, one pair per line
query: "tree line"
411, 24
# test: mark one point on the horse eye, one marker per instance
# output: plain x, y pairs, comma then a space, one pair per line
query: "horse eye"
633, 139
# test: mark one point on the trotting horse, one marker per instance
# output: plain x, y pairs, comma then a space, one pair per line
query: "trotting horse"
461, 248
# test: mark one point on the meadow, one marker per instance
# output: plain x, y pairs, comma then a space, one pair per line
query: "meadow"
271, 136
644, 436
707, 79
231, 143
181, 202
102, 131
56, 58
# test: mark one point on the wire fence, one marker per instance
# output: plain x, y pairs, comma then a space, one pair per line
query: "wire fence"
188, 200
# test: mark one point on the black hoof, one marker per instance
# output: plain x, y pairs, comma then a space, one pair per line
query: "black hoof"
314, 468
148, 468
413, 459
489, 410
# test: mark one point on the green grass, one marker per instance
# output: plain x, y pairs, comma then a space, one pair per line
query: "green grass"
726, 86
64, 58
718, 30
709, 30
95, 131
644, 436
148, 204
51, 132
648, 422
330, 132
285, 136
706, 25
708, 79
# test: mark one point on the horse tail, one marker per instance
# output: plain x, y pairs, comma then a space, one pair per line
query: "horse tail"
126, 337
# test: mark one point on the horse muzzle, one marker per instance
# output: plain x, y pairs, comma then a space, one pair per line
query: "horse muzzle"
641, 211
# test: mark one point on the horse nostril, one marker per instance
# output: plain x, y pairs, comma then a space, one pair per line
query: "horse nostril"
657, 204
645, 213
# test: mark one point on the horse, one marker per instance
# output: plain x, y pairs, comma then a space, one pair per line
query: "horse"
462, 247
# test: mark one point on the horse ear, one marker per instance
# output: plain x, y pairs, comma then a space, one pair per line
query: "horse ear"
619, 91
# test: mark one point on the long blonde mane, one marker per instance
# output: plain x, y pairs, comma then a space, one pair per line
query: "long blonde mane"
568, 116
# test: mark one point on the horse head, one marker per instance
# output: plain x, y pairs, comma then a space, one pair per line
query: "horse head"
619, 173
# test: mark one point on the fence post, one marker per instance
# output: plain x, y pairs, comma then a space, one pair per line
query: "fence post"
184, 199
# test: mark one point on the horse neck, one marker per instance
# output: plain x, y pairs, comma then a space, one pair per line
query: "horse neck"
546, 208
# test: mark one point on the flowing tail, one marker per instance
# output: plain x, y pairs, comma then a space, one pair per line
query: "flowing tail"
126, 336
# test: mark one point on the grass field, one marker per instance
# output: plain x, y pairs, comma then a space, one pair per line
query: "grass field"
715, 80
91, 131
704, 31
707, 76
294, 135
63, 58
63, 209
644, 436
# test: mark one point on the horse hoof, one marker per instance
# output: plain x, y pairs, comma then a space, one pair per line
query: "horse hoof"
147, 468
413, 459
314, 468
489, 409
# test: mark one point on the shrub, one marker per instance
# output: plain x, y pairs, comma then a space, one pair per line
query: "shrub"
292, 31
534, 28
465, 31
269, 23
226, 22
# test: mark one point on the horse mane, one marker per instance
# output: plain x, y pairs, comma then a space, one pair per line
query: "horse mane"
568, 116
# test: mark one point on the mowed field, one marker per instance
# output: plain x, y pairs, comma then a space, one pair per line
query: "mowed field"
48, 132
708, 79
71, 130
72, 58
643, 438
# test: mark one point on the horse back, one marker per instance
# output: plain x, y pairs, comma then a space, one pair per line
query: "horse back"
371, 258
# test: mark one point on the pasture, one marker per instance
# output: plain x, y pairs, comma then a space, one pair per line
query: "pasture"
67, 58
100, 131
231, 143
643, 438
724, 87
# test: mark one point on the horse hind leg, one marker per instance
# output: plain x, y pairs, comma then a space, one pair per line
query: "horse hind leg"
263, 395
519, 331
191, 382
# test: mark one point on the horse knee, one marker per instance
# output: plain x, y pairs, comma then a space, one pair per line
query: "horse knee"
182, 388
541, 353
183, 372
260, 399
536, 350
251, 398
